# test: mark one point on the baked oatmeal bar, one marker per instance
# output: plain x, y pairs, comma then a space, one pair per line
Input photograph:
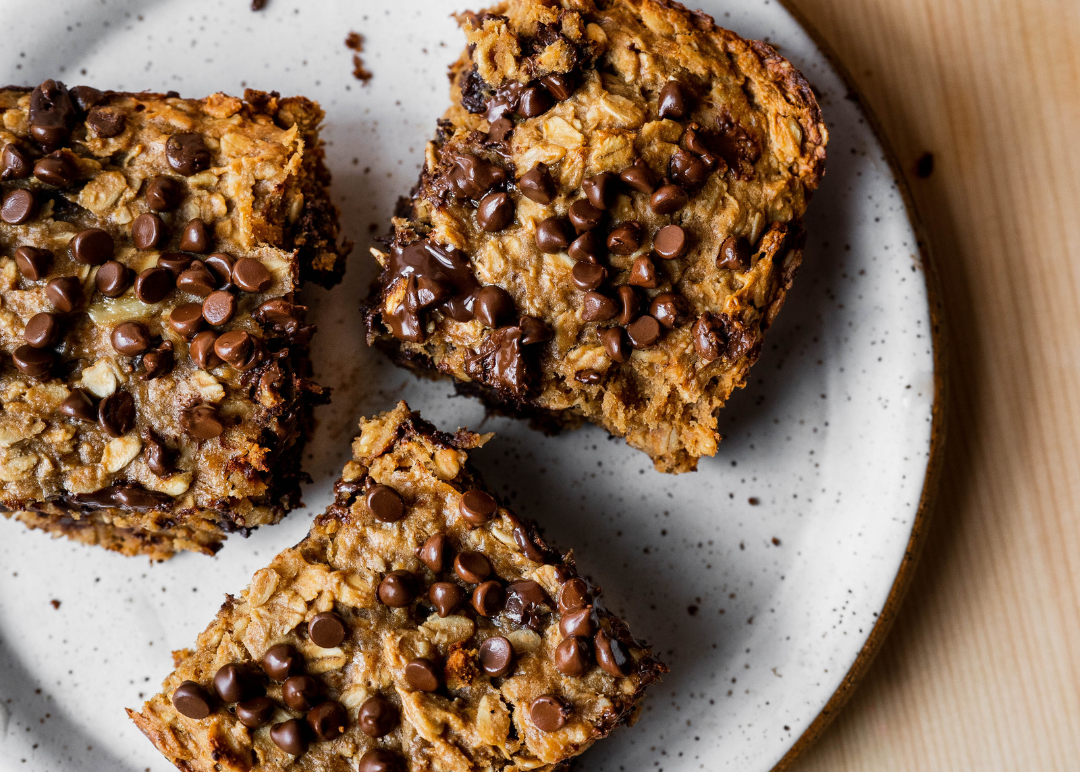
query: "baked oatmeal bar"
420, 625
154, 391
607, 221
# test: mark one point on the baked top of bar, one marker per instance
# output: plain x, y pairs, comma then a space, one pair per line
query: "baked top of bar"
419, 624
153, 366
607, 220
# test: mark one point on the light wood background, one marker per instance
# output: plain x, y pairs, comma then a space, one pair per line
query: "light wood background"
982, 668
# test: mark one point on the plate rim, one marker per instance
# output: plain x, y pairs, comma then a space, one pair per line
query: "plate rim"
935, 462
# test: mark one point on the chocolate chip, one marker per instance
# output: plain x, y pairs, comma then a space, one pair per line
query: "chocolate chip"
19, 207
147, 231
380, 760
473, 177
578, 623
219, 307
588, 377
601, 190
256, 712
201, 349
231, 683
472, 567
560, 85
695, 140
614, 342
191, 700
14, 165
33, 263
493, 306
433, 553
235, 348
194, 237
525, 603
573, 657
496, 657
197, 280
187, 153
301, 692
669, 309
573, 595
65, 293
175, 263
289, 735
625, 239
670, 242
377, 717
495, 212
385, 504
672, 102
92, 246
164, 194
116, 414
706, 337
156, 455
588, 247
398, 589
611, 654
584, 216
668, 199
548, 714
643, 273
477, 506
158, 362
500, 129
598, 308
326, 630
734, 254
688, 170
221, 265
202, 422
113, 279
328, 721
537, 185
588, 276
79, 406
638, 177
446, 597
130, 338
251, 275
422, 675
644, 331
534, 330
85, 97
42, 330
153, 285
629, 305
107, 122
488, 599
281, 661
54, 170
34, 362
52, 114
551, 235
534, 101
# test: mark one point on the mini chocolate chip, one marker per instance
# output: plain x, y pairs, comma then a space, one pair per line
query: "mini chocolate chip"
472, 567
534, 101
153, 285
256, 712
187, 153
380, 760
611, 654
281, 661
328, 720
202, 422
560, 85
92, 246
578, 623
130, 338
398, 588
446, 597
644, 331
235, 348
669, 309
496, 657
668, 199
54, 170
231, 683
251, 275
175, 263
537, 185
65, 293
584, 216
688, 170
191, 700
573, 657
422, 675
221, 265
638, 177
573, 595
494, 212
201, 349
385, 504
477, 507
643, 273
107, 122
158, 362
601, 190
33, 263
14, 165
194, 237
629, 305
116, 413
588, 377
35, 362
19, 207
614, 342
625, 239
588, 276
219, 307
534, 330
551, 235
488, 599
598, 308
493, 305
588, 247
672, 102
197, 280
734, 254
670, 242
156, 455
164, 194
433, 553
500, 129
42, 330
79, 406
548, 714
377, 717
326, 630
113, 279
289, 735
301, 692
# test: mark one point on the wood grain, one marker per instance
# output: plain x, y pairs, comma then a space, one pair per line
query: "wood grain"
982, 668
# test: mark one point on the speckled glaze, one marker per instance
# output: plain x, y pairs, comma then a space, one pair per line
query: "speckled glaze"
759, 579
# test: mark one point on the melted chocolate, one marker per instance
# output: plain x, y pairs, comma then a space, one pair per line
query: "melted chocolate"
500, 362
437, 277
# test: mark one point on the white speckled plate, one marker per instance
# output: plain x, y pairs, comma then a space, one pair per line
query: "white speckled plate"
760, 579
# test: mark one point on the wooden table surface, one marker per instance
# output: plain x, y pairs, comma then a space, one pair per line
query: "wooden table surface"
982, 668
